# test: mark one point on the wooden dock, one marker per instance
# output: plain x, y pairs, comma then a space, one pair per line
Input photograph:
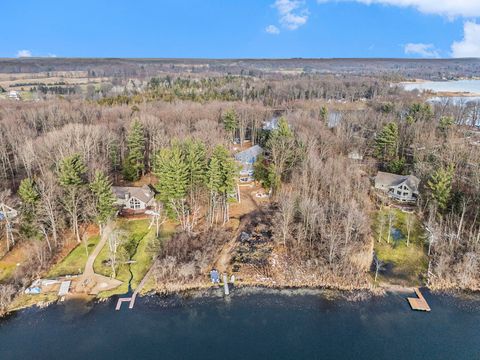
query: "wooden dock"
121, 301
419, 303
131, 300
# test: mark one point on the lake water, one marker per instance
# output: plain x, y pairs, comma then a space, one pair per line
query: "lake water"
258, 325
470, 86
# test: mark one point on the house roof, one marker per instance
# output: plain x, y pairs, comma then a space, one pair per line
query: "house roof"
144, 193
249, 154
271, 124
387, 179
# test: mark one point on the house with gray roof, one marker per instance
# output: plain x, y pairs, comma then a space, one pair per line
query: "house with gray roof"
246, 159
134, 199
403, 188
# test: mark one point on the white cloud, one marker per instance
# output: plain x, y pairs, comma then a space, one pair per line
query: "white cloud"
272, 29
470, 45
293, 13
450, 8
24, 53
424, 50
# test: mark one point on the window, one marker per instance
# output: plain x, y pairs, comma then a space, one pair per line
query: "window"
405, 193
135, 204
399, 192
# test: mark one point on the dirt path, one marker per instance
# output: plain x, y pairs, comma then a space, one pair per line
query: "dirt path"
242, 211
90, 282
89, 271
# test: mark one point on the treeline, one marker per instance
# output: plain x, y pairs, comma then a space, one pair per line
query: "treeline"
54, 89
243, 88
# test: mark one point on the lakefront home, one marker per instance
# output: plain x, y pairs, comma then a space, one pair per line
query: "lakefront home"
134, 199
247, 158
399, 187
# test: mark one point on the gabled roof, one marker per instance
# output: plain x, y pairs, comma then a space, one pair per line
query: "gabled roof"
387, 180
249, 154
144, 193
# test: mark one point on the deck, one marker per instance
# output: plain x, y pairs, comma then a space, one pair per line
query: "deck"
419, 303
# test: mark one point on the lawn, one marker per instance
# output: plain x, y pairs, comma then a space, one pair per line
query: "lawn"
140, 246
74, 262
402, 264
6, 270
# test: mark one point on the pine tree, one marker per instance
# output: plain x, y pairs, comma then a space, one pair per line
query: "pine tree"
445, 123
386, 142
230, 122
419, 112
324, 114
72, 171
71, 175
194, 153
172, 174
134, 164
283, 129
30, 197
104, 198
440, 185
221, 174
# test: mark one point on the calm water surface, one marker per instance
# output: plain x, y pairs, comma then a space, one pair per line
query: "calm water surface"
248, 326
471, 86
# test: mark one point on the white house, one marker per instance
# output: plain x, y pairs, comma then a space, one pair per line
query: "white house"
14, 95
135, 199
399, 187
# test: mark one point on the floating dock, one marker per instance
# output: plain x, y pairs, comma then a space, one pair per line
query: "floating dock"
419, 303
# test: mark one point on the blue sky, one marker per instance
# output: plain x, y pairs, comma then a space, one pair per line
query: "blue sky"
240, 28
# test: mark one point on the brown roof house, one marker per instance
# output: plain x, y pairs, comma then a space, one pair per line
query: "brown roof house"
134, 199
399, 187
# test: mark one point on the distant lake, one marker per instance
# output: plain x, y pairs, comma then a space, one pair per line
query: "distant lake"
249, 325
470, 86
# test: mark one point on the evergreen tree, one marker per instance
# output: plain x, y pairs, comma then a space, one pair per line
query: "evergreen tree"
72, 171
284, 153
71, 175
283, 129
440, 185
221, 174
134, 164
419, 112
194, 154
30, 197
324, 114
386, 142
104, 198
445, 123
230, 122
172, 173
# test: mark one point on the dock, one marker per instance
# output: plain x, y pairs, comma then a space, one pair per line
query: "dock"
419, 303
131, 300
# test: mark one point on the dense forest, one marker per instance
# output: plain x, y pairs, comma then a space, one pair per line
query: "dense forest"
60, 156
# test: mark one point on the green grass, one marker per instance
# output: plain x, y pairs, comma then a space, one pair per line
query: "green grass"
141, 246
6, 271
74, 262
405, 265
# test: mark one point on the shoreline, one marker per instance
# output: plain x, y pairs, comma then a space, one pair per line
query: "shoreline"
245, 289
440, 93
